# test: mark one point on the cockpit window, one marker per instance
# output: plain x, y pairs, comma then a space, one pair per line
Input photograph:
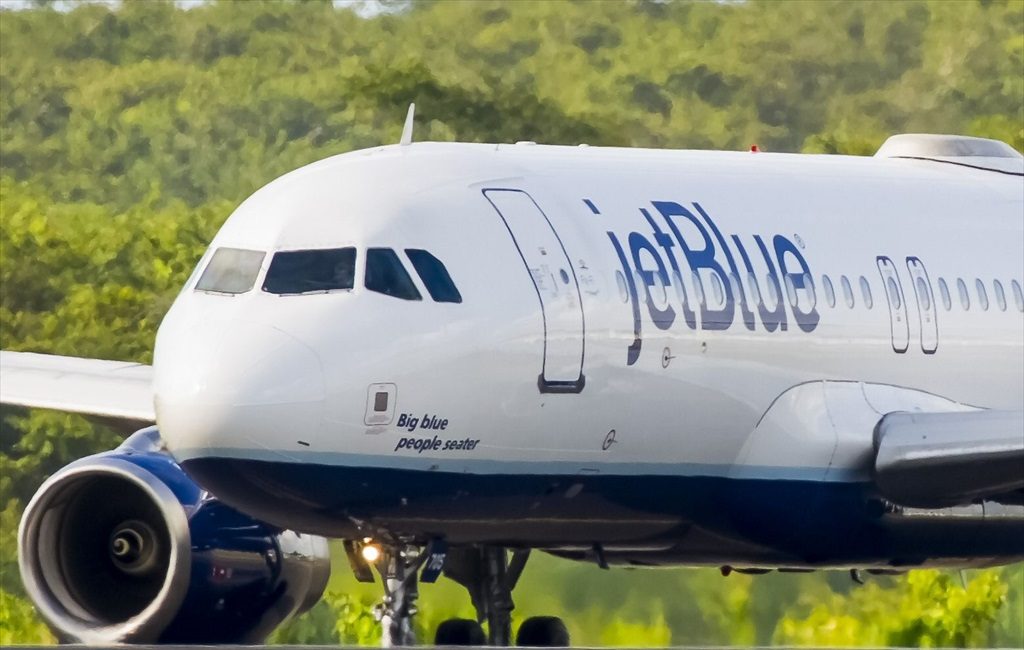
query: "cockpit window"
434, 275
231, 270
385, 274
311, 271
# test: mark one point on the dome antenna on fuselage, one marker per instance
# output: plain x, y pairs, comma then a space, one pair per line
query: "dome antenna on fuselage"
407, 129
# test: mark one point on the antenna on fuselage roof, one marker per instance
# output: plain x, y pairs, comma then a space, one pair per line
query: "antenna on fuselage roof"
407, 129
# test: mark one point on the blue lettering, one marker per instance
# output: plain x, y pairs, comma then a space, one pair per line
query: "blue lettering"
748, 316
651, 261
662, 318
805, 320
633, 352
666, 242
771, 319
704, 258
774, 318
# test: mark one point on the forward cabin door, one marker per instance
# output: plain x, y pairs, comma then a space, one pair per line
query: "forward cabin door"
547, 263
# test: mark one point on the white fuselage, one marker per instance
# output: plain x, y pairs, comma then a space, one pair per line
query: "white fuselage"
619, 316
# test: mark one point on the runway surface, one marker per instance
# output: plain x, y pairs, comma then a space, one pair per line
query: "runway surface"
338, 647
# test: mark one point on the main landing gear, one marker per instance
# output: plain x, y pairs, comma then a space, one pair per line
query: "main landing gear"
489, 574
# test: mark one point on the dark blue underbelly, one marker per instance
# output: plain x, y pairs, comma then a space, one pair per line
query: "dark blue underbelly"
686, 519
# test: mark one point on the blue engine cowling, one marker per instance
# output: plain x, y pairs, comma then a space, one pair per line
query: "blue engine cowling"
123, 547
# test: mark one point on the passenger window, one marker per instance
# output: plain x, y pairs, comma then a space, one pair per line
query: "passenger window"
1000, 294
736, 287
773, 292
311, 271
894, 293
923, 294
830, 292
755, 292
434, 275
947, 301
677, 280
865, 290
659, 292
847, 291
231, 270
717, 290
812, 295
385, 274
698, 289
982, 294
1018, 295
638, 280
965, 298
790, 289
623, 289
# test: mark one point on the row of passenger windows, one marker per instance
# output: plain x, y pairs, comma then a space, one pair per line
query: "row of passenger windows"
921, 290
234, 271
997, 290
805, 294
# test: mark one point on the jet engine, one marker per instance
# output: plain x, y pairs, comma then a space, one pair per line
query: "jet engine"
123, 547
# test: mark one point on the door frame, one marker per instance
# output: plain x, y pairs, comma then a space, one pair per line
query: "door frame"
543, 384
922, 272
887, 269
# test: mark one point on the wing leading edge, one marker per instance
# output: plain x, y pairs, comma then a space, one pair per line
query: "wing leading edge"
117, 392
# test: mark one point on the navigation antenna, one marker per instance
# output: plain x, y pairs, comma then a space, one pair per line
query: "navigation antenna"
407, 129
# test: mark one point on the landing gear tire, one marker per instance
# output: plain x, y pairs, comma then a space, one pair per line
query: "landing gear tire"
543, 632
489, 575
460, 632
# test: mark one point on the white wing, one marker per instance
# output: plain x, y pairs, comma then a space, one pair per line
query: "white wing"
109, 390
943, 459
920, 450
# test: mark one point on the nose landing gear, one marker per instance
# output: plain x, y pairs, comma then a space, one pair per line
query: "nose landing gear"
488, 573
398, 567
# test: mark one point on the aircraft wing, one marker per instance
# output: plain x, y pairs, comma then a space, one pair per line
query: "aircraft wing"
118, 393
933, 460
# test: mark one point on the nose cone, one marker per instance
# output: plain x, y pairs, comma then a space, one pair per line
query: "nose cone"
232, 386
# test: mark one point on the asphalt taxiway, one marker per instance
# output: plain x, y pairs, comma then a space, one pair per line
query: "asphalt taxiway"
338, 647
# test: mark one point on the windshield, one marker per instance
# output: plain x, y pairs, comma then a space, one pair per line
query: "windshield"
231, 270
311, 271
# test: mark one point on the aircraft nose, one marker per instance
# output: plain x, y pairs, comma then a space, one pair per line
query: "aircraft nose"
236, 385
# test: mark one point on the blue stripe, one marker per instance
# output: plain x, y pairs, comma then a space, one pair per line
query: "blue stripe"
527, 467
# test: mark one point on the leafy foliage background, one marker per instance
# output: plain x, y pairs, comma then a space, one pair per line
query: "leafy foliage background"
128, 134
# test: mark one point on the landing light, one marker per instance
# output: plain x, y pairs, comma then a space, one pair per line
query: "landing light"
371, 553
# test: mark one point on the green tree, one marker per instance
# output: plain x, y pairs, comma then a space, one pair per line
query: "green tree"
18, 623
926, 609
128, 133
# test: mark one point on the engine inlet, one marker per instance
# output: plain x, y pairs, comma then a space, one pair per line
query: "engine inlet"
104, 552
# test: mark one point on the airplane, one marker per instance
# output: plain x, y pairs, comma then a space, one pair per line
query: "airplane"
449, 355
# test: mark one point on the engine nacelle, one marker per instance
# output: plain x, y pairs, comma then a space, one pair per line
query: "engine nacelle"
123, 547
